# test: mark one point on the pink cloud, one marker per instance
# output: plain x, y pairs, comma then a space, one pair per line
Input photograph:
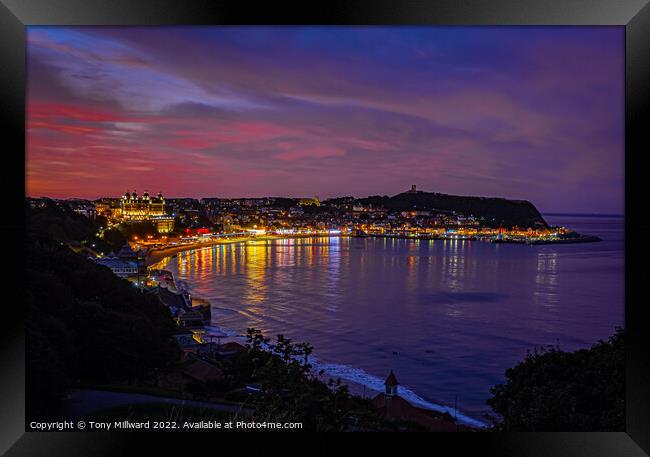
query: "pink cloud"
191, 143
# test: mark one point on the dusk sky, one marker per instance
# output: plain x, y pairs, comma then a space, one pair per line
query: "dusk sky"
533, 113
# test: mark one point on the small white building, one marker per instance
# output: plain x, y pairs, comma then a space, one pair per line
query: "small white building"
122, 268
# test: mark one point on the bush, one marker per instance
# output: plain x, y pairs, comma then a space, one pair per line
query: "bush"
291, 392
553, 390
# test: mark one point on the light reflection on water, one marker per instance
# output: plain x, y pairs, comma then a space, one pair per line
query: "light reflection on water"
448, 316
546, 280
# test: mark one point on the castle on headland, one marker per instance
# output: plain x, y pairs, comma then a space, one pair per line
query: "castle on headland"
133, 208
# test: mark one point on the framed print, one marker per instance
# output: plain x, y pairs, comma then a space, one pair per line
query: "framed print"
352, 217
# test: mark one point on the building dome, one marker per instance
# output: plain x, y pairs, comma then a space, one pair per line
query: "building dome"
127, 195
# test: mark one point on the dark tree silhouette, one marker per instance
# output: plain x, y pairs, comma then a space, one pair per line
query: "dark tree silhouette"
553, 390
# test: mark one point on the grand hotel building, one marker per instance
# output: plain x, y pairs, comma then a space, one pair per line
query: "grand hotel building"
133, 208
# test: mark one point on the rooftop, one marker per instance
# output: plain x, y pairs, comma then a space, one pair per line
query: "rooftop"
391, 380
395, 407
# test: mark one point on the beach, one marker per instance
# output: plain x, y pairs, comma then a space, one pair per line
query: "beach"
156, 255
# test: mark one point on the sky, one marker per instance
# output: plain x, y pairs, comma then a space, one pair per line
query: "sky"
532, 113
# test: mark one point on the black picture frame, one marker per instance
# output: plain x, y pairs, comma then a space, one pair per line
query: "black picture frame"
634, 15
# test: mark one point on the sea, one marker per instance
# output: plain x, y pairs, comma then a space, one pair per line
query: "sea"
448, 317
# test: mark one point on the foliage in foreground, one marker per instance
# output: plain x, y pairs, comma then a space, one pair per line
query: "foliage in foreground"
553, 390
292, 392
86, 325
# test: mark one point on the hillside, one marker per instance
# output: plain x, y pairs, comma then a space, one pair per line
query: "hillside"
496, 212
84, 324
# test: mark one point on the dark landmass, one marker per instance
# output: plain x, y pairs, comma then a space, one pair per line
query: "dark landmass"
58, 222
495, 212
84, 324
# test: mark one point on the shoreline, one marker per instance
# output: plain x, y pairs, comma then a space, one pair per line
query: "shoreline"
156, 256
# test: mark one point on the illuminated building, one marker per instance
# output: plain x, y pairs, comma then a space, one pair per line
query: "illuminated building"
143, 208
133, 208
108, 208
146, 208
164, 224
226, 222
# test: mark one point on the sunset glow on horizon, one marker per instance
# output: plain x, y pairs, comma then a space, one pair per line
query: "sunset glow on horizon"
533, 113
